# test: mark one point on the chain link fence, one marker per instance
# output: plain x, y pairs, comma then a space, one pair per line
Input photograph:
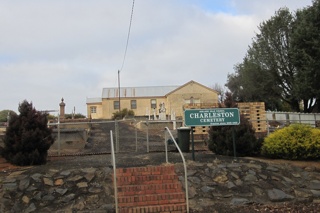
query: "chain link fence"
85, 138
133, 136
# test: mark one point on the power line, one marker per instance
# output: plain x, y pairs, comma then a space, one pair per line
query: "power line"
125, 52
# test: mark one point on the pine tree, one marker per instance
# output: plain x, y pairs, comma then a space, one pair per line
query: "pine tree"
28, 137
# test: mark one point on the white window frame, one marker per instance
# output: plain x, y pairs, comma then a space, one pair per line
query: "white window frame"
93, 109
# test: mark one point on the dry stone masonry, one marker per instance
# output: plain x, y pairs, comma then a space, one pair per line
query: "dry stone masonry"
215, 182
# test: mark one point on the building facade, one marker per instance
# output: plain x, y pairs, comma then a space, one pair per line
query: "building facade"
155, 102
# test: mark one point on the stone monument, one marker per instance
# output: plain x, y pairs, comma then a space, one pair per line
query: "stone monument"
62, 109
162, 112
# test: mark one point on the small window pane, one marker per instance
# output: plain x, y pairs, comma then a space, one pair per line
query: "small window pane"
93, 109
153, 103
133, 104
116, 105
191, 100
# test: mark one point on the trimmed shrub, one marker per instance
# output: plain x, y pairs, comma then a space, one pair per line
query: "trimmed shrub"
295, 142
221, 139
122, 114
27, 138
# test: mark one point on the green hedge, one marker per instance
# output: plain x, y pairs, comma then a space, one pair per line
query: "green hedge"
296, 142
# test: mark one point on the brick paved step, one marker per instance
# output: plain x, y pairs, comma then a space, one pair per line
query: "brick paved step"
167, 169
150, 189
172, 208
151, 199
147, 179
128, 190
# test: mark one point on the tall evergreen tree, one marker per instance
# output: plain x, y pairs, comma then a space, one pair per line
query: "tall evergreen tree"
267, 72
306, 54
282, 66
28, 137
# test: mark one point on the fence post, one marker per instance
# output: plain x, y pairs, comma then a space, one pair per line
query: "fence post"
166, 144
136, 137
147, 122
117, 135
234, 143
113, 163
59, 135
299, 118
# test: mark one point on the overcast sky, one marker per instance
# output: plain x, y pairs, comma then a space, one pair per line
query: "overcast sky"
74, 48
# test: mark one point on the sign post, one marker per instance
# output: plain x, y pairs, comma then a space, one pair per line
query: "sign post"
213, 117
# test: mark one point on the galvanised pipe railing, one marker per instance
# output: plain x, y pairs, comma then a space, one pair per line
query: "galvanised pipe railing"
184, 165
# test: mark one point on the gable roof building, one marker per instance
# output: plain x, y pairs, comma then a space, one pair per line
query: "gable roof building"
151, 91
146, 101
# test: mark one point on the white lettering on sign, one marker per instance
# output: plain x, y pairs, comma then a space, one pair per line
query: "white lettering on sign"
212, 116
212, 120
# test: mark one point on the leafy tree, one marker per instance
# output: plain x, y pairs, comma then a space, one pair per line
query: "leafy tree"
228, 101
249, 83
277, 68
217, 87
28, 137
4, 115
306, 54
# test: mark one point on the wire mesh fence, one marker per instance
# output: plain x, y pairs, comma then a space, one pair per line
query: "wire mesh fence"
131, 136
84, 138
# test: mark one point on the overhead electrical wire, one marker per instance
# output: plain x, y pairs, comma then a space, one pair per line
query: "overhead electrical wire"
125, 52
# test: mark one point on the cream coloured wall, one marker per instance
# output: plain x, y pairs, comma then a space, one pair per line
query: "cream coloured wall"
174, 102
179, 97
99, 111
143, 106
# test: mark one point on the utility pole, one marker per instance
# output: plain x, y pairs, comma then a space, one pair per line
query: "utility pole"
119, 89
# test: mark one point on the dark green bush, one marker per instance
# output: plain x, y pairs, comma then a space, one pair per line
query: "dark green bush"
28, 137
122, 114
74, 116
4, 115
296, 142
221, 140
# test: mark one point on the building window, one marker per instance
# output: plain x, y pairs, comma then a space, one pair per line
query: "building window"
153, 103
93, 109
133, 104
116, 105
192, 101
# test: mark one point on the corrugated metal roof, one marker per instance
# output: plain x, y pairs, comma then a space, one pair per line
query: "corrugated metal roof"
93, 100
152, 91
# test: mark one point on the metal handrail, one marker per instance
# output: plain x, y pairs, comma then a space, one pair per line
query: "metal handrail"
113, 161
184, 165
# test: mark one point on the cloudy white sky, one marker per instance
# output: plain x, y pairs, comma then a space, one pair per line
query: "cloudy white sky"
72, 49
